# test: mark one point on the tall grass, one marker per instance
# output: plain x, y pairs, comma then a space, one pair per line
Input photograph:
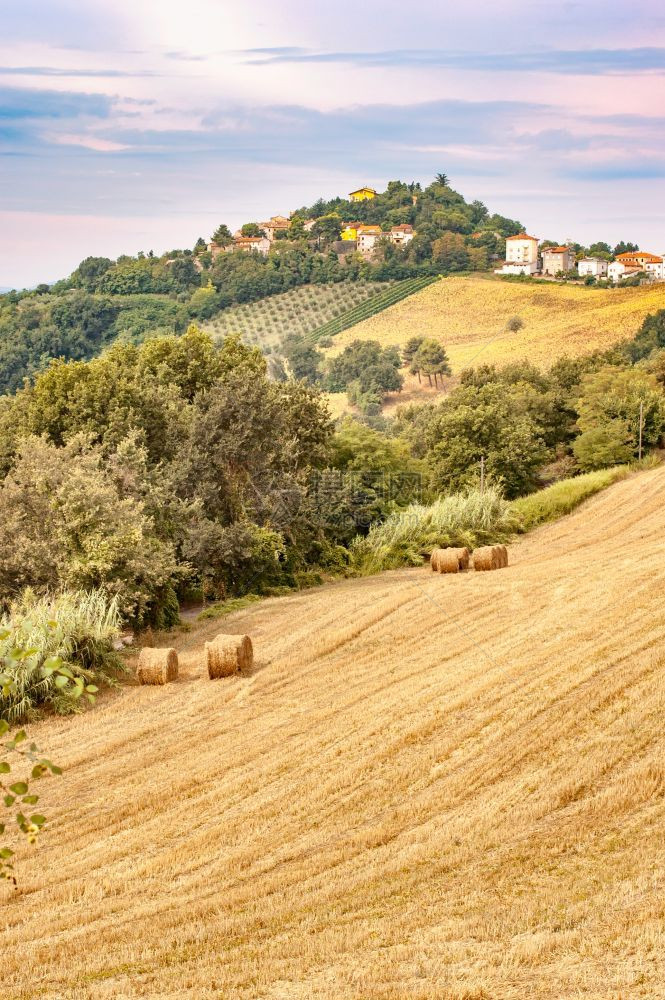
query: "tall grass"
561, 498
76, 626
472, 518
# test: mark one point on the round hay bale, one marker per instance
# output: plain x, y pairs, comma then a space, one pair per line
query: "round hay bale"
484, 558
504, 555
434, 560
228, 654
463, 556
447, 561
157, 666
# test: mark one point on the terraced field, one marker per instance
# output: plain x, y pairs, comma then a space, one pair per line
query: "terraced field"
469, 315
301, 310
428, 788
395, 292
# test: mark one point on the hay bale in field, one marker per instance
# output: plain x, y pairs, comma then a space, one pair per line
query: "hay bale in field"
463, 556
157, 666
445, 561
485, 558
501, 556
228, 654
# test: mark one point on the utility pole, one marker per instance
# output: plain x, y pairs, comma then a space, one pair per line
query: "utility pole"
482, 474
641, 423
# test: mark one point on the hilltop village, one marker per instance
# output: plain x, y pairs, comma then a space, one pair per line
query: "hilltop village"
525, 255
353, 236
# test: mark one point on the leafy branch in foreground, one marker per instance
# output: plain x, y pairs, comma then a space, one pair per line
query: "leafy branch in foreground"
17, 792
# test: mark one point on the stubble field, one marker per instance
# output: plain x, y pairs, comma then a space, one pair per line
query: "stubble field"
428, 787
468, 316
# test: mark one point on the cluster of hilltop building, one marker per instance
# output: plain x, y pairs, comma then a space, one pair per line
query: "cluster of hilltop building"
523, 256
353, 236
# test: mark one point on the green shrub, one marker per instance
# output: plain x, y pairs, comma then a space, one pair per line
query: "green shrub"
77, 628
561, 498
470, 519
222, 608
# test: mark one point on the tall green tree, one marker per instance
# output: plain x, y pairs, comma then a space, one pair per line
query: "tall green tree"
431, 359
610, 407
222, 236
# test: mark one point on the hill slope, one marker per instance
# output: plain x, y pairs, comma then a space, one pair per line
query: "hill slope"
446, 787
466, 314
301, 310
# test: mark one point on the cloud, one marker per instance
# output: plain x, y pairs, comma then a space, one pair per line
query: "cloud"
594, 62
58, 71
93, 142
20, 104
185, 56
626, 170
65, 23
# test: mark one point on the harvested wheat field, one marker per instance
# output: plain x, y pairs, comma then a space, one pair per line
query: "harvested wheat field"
427, 787
465, 314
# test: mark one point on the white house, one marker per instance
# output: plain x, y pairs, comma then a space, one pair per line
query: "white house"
618, 271
261, 244
521, 255
594, 266
656, 268
366, 237
276, 224
401, 235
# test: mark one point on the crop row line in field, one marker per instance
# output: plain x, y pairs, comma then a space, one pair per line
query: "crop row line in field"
370, 307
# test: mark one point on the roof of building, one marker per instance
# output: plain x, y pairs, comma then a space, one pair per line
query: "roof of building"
556, 250
363, 188
522, 236
277, 223
370, 230
404, 228
637, 255
248, 239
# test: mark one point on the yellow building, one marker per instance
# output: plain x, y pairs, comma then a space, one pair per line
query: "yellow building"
350, 231
363, 194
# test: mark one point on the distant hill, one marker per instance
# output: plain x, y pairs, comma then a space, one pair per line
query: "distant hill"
134, 297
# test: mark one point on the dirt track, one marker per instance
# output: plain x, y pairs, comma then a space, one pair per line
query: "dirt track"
429, 787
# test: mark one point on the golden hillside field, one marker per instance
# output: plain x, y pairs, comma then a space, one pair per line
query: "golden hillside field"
465, 314
428, 788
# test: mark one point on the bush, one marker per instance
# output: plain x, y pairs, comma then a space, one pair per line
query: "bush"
76, 627
561, 498
470, 519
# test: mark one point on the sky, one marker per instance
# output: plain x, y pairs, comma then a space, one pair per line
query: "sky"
143, 124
